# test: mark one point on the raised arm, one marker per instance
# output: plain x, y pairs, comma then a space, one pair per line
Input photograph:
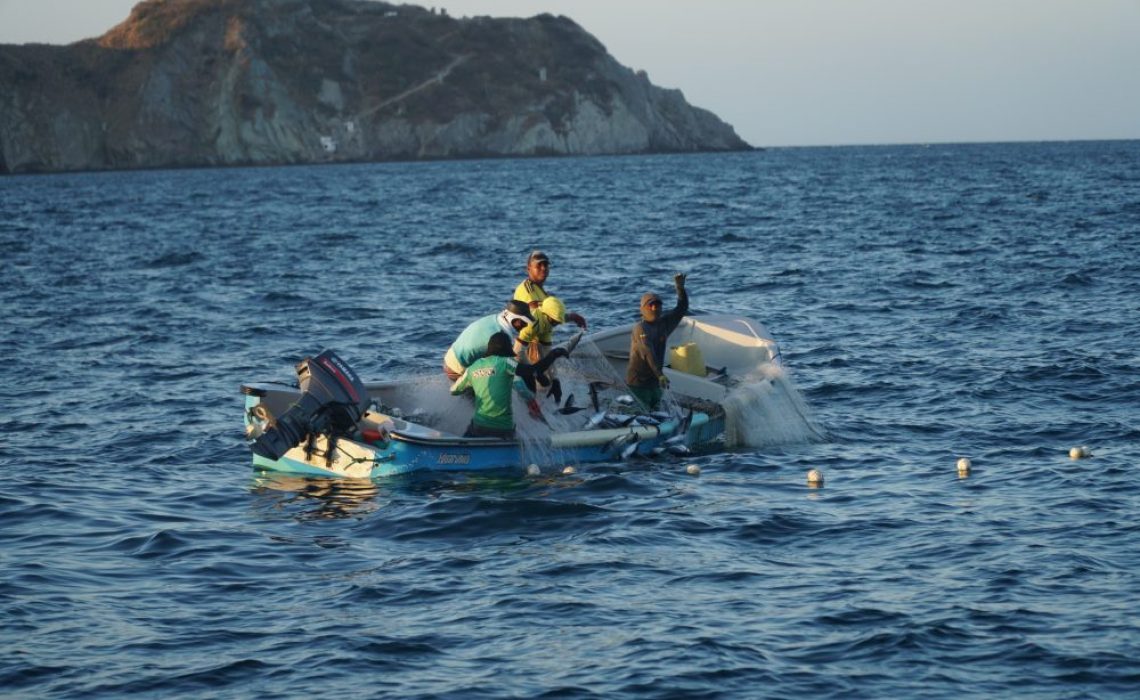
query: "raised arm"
673, 318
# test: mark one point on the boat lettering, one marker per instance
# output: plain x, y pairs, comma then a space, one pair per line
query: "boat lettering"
449, 458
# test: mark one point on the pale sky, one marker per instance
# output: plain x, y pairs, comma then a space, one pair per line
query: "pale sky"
825, 72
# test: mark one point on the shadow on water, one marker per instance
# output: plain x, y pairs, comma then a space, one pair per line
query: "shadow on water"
318, 498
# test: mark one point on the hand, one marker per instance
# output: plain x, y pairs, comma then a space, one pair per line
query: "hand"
577, 319
663, 381
535, 411
679, 280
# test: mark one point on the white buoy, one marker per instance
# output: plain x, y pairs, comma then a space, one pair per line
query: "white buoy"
815, 478
533, 470
568, 470
693, 469
964, 465
1079, 452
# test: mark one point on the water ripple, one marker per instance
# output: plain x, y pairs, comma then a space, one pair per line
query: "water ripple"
932, 303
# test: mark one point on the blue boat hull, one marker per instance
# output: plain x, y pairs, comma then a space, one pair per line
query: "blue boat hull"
416, 449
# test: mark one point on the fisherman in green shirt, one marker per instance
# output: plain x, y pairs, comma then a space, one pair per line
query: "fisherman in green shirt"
491, 379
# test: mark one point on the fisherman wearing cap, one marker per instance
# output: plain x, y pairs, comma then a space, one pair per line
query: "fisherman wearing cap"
472, 342
535, 341
531, 289
645, 374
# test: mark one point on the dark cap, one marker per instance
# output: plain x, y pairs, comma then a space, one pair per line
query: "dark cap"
519, 308
648, 297
538, 256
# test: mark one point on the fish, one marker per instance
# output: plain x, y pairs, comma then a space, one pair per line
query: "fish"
619, 420
630, 449
594, 386
646, 420
596, 419
626, 400
679, 449
618, 443
573, 343
683, 428
568, 408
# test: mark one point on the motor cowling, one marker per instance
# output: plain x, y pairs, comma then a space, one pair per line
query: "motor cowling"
333, 398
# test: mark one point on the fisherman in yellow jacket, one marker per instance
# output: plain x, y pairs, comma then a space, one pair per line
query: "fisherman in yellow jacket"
532, 291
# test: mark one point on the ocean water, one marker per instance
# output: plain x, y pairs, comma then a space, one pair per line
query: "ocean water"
932, 303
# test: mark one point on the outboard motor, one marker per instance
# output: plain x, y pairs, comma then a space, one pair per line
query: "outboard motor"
332, 401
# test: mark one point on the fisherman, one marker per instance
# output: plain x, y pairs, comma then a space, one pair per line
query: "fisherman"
472, 342
645, 374
491, 379
535, 355
535, 340
532, 291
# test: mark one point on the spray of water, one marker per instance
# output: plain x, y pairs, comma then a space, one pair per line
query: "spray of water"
587, 366
427, 400
767, 409
762, 409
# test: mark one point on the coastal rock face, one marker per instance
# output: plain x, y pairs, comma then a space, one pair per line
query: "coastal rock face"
237, 82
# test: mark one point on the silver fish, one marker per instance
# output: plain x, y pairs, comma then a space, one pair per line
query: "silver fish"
618, 443
630, 448
618, 420
573, 343
596, 419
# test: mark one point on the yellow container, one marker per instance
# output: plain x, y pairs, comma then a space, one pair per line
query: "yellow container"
687, 358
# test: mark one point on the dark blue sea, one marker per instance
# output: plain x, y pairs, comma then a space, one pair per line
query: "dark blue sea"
932, 303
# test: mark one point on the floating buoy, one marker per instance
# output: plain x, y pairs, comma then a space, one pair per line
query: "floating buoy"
815, 478
1079, 452
693, 469
568, 470
533, 470
964, 465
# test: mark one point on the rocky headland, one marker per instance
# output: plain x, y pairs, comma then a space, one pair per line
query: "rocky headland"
184, 83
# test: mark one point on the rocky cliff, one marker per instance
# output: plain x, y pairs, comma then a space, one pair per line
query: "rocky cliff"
231, 82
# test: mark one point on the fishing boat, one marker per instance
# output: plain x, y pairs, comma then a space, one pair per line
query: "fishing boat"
331, 423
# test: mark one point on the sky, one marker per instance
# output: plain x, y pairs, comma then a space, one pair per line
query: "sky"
825, 72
